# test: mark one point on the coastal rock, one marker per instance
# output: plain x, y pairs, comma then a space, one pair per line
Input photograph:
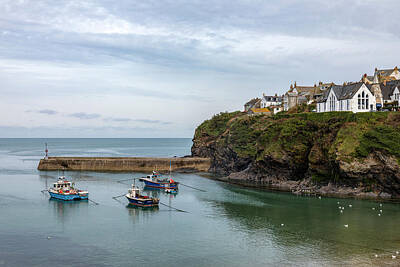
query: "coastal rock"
333, 154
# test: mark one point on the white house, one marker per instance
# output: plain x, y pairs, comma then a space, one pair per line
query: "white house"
355, 97
267, 101
391, 91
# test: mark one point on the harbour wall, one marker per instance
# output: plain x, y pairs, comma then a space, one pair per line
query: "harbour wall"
125, 164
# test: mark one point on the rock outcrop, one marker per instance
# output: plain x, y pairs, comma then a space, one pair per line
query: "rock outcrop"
335, 154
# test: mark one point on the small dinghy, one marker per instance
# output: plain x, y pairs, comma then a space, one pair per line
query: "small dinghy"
65, 190
136, 199
171, 191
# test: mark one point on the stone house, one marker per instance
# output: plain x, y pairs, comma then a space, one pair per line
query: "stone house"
354, 97
380, 76
254, 103
298, 95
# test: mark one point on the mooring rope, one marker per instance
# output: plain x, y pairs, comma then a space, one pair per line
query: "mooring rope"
94, 202
193, 187
173, 207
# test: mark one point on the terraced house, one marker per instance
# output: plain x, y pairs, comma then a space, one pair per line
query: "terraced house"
354, 97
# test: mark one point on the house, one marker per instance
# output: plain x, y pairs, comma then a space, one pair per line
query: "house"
298, 95
381, 76
275, 109
267, 100
355, 97
391, 92
254, 103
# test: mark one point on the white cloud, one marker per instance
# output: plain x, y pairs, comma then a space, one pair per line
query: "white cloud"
178, 61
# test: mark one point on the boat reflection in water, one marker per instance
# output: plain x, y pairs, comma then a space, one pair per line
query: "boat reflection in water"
156, 192
67, 210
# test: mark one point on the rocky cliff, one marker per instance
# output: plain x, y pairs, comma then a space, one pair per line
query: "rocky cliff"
336, 153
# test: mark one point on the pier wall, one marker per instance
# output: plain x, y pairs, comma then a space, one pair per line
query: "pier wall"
119, 164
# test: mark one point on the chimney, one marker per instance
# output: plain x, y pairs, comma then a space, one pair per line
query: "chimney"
295, 84
376, 69
395, 68
344, 84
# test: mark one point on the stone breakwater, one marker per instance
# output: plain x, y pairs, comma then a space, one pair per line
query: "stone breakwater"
128, 164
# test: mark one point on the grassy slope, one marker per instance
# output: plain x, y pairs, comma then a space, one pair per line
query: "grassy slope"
342, 135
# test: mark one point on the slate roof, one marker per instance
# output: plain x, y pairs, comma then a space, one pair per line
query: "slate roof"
252, 102
388, 88
342, 91
386, 72
273, 98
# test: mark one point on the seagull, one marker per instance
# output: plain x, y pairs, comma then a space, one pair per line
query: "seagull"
319, 197
282, 224
380, 205
338, 202
350, 206
341, 211
379, 214
393, 256
48, 237
373, 208
376, 255
346, 225
380, 211
397, 252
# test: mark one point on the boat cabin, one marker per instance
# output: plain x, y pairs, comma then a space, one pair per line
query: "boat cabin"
62, 185
134, 191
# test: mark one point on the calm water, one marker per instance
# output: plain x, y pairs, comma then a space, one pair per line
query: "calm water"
225, 226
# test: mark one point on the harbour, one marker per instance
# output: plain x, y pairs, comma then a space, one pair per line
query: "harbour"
222, 224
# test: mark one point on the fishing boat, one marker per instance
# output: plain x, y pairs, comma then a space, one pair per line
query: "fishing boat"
155, 181
136, 199
65, 190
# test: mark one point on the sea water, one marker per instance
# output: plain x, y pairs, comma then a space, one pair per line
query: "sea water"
227, 225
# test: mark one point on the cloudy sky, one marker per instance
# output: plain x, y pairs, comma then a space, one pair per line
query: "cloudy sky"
152, 68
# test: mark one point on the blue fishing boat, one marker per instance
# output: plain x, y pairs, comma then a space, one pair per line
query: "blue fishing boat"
155, 181
136, 199
65, 190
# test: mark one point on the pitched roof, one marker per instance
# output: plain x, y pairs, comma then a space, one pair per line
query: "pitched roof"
342, 91
273, 98
386, 72
252, 102
260, 110
388, 88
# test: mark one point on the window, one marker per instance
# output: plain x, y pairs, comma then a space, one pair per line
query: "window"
348, 104
363, 101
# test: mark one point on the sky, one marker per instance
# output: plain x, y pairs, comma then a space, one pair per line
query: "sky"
152, 68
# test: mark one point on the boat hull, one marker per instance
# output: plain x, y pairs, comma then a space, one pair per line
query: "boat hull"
69, 197
160, 185
142, 203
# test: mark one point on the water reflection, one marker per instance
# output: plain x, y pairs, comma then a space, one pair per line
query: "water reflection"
301, 226
157, 192
141, 213
67, 210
